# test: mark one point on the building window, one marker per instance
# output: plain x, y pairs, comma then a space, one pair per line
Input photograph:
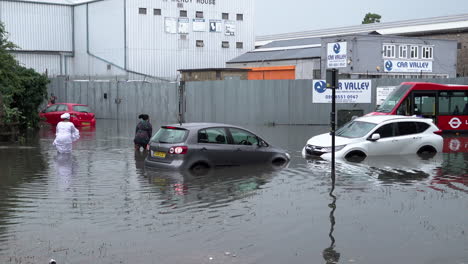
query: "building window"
389, 51
199, 14
142, 11
180, 5
403, 52
459, 45
199, 43
183, 13
157, 12
240, 17
225, 44
225, 16
240, 45
427, 52
414, 52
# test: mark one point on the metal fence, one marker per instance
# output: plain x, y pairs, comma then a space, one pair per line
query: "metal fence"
243, 102
120, 99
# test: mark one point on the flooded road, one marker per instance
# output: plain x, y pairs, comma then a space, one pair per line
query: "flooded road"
100, 205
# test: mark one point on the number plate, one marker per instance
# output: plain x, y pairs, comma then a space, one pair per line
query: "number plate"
85, 123
159, 154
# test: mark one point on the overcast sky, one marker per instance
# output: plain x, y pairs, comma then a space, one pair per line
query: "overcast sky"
283, 16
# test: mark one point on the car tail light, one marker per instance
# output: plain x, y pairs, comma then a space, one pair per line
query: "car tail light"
178, 150
438, 132
147, 146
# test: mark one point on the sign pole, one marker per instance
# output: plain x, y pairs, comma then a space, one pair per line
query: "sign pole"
332, 83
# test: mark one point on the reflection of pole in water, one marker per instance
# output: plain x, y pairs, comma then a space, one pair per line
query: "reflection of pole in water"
330, 254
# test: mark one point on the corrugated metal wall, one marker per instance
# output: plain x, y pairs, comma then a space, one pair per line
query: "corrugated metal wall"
34, 26
153, 51
42, 63
125, 100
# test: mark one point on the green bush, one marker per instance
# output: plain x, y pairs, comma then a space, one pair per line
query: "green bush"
22, 89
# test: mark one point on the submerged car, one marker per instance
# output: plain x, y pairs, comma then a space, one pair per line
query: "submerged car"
378, 136
80, 114
200, 146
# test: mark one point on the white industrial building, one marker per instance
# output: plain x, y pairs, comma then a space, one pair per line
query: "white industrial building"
128, 38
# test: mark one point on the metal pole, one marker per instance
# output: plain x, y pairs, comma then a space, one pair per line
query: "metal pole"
333, 126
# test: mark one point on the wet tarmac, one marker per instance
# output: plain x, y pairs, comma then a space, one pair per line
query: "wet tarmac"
100, 205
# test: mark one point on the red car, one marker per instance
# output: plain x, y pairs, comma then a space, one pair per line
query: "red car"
80, 115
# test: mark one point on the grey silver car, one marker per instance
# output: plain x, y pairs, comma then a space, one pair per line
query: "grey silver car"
199, 146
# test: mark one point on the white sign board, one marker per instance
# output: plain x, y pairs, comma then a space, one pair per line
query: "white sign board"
382, 93
348, 91
337, 55
183, 25
230, 29
199, 24
216, 26
170, 24
407, 66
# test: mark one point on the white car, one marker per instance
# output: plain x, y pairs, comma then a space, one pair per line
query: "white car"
377, 136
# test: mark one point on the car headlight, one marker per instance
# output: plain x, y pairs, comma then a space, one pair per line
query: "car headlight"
337, 148
288, 156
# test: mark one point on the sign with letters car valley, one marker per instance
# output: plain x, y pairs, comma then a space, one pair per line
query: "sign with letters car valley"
336, 55
348, 91
407, 66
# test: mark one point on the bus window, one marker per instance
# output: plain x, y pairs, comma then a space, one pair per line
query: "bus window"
453, 103
393, 98
424, 105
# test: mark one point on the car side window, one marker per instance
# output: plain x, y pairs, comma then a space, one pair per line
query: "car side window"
212, 135
385, 131
62, 107
51, 108
406, 128
422, 126
242, 137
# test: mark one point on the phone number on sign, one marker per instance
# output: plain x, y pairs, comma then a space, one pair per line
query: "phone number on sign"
343, 96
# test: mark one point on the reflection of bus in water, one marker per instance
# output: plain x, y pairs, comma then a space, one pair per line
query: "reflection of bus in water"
447, 105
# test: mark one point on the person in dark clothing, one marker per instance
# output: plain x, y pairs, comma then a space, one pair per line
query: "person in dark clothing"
143, 132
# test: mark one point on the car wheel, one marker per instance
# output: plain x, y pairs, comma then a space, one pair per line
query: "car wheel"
200, 169
355, 156
427, 152
279, 162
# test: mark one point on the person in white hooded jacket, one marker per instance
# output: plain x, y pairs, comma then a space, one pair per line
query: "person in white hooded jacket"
65, 135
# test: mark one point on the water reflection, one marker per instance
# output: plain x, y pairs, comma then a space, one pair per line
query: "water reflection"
66, 167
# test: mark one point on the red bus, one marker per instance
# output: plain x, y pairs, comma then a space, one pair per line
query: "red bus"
447, 105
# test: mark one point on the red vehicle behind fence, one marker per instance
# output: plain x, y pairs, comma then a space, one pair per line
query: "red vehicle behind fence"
447, 105
80, 115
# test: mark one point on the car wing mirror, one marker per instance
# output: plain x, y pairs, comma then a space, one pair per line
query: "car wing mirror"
375, 137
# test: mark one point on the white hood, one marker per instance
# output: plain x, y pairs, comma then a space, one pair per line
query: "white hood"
324, 140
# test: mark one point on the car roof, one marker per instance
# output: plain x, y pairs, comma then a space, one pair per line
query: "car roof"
197, 125
377, 119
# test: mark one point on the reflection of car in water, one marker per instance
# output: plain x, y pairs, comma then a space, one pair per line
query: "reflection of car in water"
199, 146
377, 136
220, 186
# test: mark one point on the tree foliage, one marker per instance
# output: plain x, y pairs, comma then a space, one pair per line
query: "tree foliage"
371, 18
22, 90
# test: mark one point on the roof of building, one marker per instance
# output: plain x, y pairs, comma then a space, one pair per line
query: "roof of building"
282, 50
57, 2
423, 26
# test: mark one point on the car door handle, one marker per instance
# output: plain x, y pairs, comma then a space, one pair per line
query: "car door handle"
238, 149
417, 137
203, 149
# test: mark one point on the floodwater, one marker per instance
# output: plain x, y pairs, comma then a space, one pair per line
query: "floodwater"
100, 205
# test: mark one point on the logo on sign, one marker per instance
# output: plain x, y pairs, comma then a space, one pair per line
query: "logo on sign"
337, 48
320, 87
454, 144
388, 65
455, 122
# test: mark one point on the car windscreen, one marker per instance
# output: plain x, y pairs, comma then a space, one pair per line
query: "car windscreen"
169, 135
393, 98
355, 129
81, 108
